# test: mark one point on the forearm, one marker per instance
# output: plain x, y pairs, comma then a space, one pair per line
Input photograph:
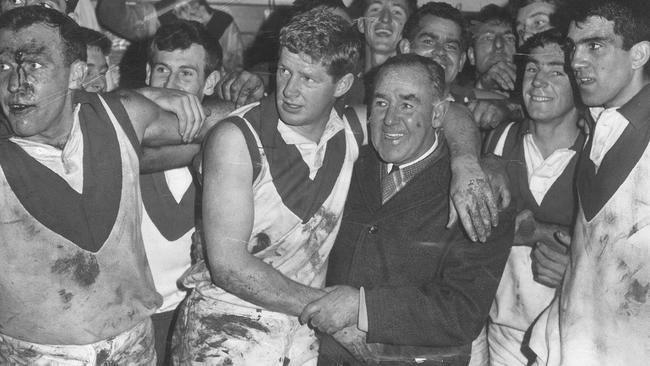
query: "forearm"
529, 231
156, 159
259, 283
462, 135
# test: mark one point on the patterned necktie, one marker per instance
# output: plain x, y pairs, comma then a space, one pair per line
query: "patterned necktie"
390, 183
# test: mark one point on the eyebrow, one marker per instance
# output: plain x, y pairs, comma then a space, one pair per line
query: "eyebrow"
410, 97
594, 39
435, 36
552, 63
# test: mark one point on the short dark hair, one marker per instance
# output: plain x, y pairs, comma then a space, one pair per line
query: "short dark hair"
491, 13
411, 6
441, 10
325, 38
539, 40
92, 38
433, 71
631, 18
301, 6
74, 47
180, 35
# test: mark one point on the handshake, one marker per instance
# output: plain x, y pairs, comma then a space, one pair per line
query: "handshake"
337, 314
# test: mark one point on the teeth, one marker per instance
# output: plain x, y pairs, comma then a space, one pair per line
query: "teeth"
540, 99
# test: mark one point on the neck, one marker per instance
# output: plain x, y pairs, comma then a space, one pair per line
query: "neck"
313, 131
559, 133
374, 59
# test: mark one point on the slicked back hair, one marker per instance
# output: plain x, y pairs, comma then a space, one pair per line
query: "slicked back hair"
326, 38
440, 10
180, 35
631, 18
429, 68
22, 17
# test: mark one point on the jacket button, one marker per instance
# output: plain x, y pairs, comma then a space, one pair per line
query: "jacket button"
373, 229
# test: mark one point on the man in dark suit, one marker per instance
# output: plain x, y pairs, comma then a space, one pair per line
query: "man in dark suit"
408, 289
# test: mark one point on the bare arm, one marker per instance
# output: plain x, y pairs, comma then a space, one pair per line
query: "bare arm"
156, 159
471, 194
228, 214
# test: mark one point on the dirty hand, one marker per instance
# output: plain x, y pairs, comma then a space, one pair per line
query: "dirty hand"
240, 87
549, 261
501, 75
334, 311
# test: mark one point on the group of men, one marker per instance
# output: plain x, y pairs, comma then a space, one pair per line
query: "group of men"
299, 191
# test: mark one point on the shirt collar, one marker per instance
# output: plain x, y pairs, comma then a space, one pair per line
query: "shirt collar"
430, 151
291, 137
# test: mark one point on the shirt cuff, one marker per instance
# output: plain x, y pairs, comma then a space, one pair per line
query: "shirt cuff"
362, 322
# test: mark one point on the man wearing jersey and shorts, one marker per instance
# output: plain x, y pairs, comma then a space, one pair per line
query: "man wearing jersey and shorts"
76, 287
275, 179
542, 152
602, 313
182, 56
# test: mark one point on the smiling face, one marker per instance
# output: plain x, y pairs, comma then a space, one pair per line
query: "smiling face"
402, 114
34, 81
440, 40
382, 24
532, 19
603, 68
547, 91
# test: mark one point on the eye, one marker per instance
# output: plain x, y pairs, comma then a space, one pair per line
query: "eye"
380, 103
593, 46
19, 2
557, 73
407, 106
283, 71
4, 67
530, 69
45, 5
399, 12
510, 38
187, 73
160, 69
540, 23
35, 65
452, 46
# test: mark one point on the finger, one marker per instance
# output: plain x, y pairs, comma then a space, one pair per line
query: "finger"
181, 114
504, 192
484, 211
468, 224
492, 207
225, 87
237, 87
308, 313
453, 215
199, 117
563, 238
477, 221
189, 116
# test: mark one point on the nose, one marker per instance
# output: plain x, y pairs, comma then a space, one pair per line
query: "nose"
392, 116
16, 81
539, 81
290, 89
172, 81
385, 15
578, 58
499, 42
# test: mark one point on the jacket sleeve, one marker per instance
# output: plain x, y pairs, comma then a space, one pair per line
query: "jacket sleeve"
450, 310
133, 22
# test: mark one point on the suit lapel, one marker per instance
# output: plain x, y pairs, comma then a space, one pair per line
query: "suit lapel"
367, 177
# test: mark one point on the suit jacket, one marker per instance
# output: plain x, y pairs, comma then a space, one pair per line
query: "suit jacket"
428, 289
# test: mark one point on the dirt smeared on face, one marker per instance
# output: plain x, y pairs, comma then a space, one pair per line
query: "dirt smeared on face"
82, 268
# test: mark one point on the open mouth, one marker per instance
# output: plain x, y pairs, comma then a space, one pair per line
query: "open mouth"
383, 32
19, 108
393, 138
583, 81
541, 99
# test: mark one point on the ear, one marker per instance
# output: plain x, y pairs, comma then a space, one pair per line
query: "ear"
210, 82
147, 78
404, 46
470, 56
361, 24
78, 71
640, 54
463, 58
343, 85
439, 112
